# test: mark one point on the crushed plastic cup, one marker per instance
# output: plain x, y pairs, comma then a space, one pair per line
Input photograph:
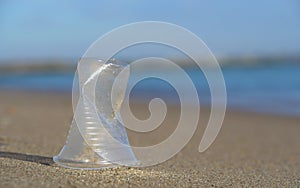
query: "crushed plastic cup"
97, 137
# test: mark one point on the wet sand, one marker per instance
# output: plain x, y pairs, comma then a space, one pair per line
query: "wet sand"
251, 150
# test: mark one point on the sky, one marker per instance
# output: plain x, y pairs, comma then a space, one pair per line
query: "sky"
65, 29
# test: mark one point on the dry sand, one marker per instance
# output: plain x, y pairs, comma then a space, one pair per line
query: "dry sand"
251, 150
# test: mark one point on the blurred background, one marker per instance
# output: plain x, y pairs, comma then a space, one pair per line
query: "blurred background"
257, 44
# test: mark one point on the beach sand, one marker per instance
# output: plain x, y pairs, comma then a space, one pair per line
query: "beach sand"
251, 150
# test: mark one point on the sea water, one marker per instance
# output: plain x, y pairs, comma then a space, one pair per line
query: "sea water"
267, 89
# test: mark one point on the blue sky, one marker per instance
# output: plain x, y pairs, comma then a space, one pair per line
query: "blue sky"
65, 29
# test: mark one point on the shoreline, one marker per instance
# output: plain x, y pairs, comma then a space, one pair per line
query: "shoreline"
68, 94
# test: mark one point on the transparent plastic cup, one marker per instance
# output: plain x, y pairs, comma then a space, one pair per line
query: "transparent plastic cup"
97, 137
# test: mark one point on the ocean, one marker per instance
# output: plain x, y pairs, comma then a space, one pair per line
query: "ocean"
273, 89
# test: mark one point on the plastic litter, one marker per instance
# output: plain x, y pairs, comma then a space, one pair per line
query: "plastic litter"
97, 137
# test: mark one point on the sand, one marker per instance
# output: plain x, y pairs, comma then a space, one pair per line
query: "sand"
251, 150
